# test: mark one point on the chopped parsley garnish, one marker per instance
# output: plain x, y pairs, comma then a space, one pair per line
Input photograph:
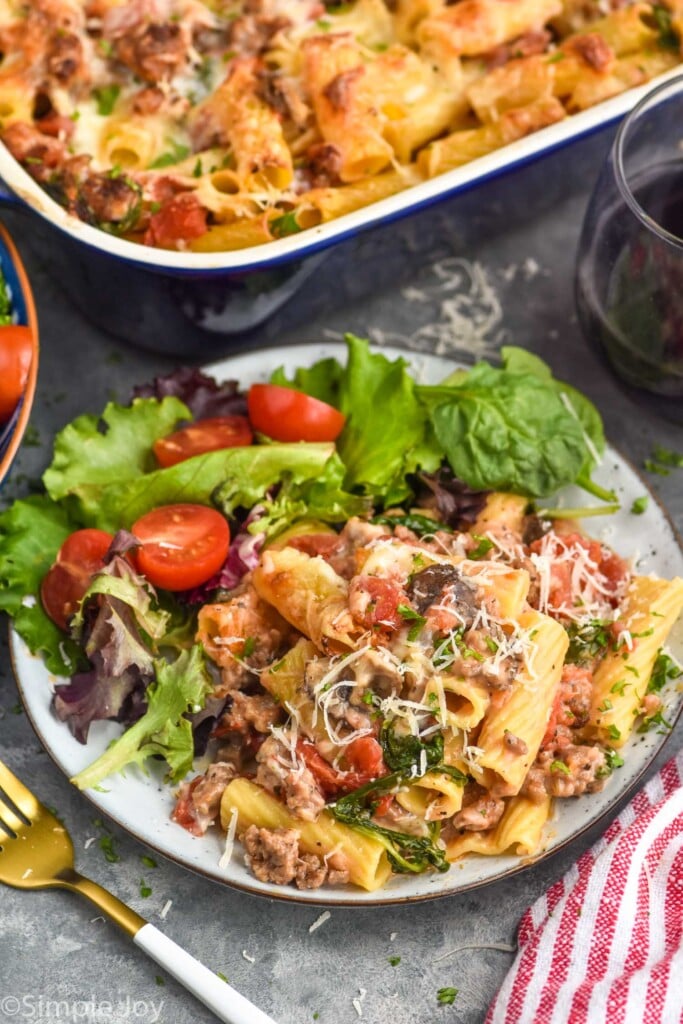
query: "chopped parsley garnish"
613, 759
452, 647
105, 97
613, 732
219, 974
559, 766
661, 16
665, 668
173, 155
249, 647
394, 961
149, 862
656, 719
446, 996
197, 170
588, 640
606, 705
667, 457
145, 890
159, 980
483, 547
555, 57
639, 505
285, 225
105, 47
619, 687
655, 467
106, 845
409, 614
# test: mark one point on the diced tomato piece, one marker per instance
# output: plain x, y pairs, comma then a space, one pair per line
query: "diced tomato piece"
366, 757
615, 570
383, 805
183, 812
56, 125
179, 220
330, 779
382, 609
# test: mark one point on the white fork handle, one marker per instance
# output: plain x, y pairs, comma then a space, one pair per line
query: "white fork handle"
228, 1005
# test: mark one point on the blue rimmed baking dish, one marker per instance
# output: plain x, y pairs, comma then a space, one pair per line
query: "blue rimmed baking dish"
192, 304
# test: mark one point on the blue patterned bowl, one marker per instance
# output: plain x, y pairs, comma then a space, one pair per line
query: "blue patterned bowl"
24, 312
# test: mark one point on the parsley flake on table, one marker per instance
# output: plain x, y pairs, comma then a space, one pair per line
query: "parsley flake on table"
446, 996
394, 961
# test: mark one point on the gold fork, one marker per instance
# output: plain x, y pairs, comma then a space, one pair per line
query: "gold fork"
36, 852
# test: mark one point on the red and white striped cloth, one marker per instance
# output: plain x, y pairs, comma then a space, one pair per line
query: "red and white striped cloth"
604, 945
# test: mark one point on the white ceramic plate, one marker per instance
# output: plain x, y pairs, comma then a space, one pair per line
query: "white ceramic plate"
142, 804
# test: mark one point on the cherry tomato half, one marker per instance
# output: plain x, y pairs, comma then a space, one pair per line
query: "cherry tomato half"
208, 435
79, 558
16, 351
288, 415
182, 546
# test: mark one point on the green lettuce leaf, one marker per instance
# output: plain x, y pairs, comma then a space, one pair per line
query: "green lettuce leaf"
510, 428
232, 478
518, 360
322, 380
316, 496
120, 581
179, 688
93, 452
387, 434
32, 531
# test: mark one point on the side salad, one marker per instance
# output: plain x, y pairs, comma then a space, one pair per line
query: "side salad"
157, 516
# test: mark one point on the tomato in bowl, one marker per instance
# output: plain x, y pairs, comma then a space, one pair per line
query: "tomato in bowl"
18, 352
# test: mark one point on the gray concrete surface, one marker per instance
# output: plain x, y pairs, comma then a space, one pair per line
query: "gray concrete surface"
496, 267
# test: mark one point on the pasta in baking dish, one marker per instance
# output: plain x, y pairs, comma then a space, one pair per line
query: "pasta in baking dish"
227, 124
400, 698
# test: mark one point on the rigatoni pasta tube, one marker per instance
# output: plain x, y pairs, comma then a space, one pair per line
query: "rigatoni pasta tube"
310, 595
334, 74
364, 857
519, 831
525, 714
461, 147
620, 680
478, 26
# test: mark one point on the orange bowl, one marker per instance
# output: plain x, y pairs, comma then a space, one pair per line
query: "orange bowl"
24, 312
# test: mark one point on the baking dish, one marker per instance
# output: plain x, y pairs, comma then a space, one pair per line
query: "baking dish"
193, 304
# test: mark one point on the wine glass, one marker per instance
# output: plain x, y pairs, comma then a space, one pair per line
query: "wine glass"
629, 281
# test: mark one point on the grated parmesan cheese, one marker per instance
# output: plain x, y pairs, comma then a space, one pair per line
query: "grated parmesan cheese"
325, 916
226, 856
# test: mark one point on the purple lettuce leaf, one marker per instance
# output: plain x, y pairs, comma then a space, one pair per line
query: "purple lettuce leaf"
95, 695
204, 396
457, 504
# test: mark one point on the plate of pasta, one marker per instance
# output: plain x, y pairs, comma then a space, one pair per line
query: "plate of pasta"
202, 128
370, 700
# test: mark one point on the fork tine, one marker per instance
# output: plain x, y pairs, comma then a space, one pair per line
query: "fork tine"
9, 819
21, 797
